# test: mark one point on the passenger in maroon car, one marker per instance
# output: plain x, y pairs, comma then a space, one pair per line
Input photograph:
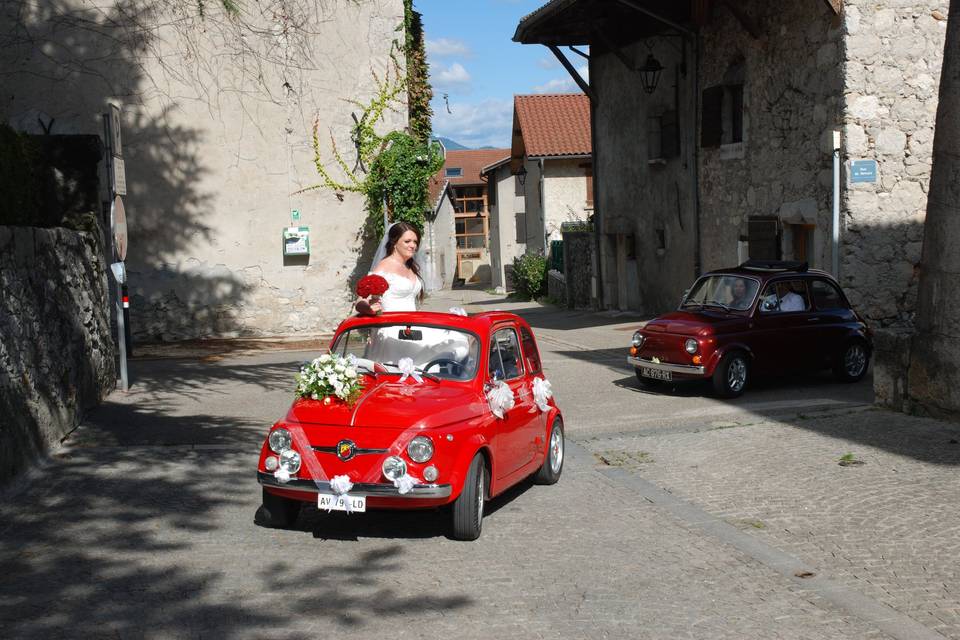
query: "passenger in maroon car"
741, 297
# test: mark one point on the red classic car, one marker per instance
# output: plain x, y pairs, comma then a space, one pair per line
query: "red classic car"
763, 317
453, 411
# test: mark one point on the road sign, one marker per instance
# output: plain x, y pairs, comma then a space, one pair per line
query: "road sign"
118, 223
119, 176
863, 171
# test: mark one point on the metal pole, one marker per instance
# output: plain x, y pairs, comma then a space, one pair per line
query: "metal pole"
121, 331
836, 205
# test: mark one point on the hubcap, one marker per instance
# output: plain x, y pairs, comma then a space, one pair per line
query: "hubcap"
855, 360
556, 450
737, 374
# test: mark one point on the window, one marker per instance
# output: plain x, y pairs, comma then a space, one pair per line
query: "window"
801, 242
826, 296
737, 293
785, 295
588, 176
721, 109
471, 232
505, 361
521, 219
453, 172
663, 136
763, 238
530, 351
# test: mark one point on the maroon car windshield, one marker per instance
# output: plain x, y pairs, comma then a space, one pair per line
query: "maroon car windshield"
728, 292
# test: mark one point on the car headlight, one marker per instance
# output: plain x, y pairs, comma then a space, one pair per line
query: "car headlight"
691, 345
420, 449
394, 467
637, 339
279, 440
290, 461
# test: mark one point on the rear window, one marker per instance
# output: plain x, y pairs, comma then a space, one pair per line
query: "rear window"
826, 295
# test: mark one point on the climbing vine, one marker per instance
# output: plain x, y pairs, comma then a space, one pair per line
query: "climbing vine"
393, 168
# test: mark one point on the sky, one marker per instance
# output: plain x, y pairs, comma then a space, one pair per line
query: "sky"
475, 63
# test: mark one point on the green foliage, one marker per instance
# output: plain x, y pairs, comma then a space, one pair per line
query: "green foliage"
398, 164
419, 91
21, 178
530, 275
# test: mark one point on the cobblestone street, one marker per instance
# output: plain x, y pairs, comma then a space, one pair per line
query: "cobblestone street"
678, 516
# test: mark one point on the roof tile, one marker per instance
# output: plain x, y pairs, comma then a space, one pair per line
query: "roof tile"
554, 124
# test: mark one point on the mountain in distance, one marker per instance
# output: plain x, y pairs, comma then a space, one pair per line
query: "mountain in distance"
451, 145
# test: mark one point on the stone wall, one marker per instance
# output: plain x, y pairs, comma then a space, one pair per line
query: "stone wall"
892, 57
792, 82
217, 137
56, 349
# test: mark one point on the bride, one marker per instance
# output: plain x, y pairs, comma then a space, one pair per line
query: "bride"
395, 261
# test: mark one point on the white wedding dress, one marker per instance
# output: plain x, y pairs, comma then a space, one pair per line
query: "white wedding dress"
402, 295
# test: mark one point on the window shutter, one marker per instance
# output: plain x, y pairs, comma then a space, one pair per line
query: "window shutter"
763, 238
669, 135
588, 174
711, 117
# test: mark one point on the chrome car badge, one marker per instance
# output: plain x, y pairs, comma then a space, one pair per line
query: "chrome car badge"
346, 450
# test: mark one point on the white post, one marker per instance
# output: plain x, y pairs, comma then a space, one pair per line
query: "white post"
836, 205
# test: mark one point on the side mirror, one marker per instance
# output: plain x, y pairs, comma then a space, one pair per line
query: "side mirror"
768, 305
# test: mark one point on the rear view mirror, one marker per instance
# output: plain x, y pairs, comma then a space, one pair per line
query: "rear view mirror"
415, 335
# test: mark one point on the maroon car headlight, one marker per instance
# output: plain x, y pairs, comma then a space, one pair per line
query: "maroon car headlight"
691, 346
420, 449
637, 339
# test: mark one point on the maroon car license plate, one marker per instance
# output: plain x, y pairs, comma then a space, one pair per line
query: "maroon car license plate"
656, 374
330, 502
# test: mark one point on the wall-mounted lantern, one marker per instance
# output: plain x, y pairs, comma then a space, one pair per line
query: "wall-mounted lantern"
522, 175
650, 73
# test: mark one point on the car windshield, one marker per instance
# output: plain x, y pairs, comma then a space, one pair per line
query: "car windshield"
732, 293
444, 353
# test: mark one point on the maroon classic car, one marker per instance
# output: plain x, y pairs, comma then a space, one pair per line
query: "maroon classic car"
763, 317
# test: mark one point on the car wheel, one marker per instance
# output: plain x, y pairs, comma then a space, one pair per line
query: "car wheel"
549, 473
852, 363
732, 374
276, 511
644, 381
468, 507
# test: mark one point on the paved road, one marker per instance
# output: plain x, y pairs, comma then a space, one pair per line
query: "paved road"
678, 516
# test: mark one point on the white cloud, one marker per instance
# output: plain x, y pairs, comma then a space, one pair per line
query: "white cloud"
453, 75
447, 47
564, 84
482, 124
547, 63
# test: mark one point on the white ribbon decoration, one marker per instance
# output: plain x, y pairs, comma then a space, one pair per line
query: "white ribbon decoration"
340, 485
542, 392
408, 370
282, 475
500, 398
404, 483
458, 311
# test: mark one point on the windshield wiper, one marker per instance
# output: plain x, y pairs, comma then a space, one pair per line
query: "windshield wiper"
717, 303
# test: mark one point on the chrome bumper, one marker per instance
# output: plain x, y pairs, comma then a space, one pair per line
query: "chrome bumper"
685, 369
371, 489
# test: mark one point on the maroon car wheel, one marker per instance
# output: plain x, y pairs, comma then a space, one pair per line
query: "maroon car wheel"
852, 363
731, 375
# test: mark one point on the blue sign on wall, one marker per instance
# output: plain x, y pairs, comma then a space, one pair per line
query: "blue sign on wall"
863, 171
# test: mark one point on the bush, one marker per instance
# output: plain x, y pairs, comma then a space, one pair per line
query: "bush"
530, 275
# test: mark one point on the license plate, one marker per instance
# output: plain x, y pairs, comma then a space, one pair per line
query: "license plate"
656, 374
330, 502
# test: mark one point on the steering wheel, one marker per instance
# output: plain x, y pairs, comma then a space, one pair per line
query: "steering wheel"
455, 367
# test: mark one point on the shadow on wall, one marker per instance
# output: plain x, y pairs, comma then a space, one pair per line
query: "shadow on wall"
90, 58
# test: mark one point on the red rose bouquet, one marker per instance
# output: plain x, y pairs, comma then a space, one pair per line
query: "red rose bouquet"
372, 285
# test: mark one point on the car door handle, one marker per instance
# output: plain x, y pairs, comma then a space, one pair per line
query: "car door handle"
813, 319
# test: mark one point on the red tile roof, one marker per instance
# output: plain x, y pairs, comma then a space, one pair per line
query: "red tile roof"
552, 125
470, 161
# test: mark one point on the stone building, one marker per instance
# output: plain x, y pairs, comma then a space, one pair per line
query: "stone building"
544, 181
713, 129
218, 118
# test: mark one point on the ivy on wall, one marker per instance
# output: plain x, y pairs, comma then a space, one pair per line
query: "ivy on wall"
394, 168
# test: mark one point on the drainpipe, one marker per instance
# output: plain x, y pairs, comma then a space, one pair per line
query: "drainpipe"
697, 259
543, 210
836, 205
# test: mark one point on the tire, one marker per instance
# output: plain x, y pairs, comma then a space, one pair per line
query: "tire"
277, 512
731, 375
468, 507
552, 467
647, 383
852, 363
